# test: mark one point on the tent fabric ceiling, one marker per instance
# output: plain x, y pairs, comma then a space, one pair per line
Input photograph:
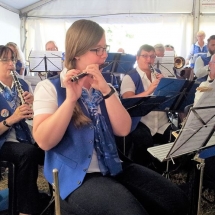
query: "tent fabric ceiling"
18, 4
83, 8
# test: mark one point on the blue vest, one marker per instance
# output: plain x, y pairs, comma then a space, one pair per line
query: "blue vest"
196, 51
139, 89
73, 154
4, 105
206, 61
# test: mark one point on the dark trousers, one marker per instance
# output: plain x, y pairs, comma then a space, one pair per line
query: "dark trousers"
25, 158
136, 143
136, 191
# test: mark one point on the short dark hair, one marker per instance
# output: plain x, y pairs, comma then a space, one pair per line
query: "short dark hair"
4, 50
146, 48
212, 37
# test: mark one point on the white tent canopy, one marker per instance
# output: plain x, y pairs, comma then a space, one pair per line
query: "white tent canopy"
128, 24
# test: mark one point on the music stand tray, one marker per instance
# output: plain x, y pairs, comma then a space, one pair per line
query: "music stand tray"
196, 132
45, 61
180, 93
141, 106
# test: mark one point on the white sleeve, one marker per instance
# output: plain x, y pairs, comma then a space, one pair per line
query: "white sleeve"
190, 53
199, 69
127, 85
45, 98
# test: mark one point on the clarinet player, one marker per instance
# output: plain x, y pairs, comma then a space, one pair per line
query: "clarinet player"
154, 127
16, 143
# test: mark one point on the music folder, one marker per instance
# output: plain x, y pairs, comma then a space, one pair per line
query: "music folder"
141, 106
179, 92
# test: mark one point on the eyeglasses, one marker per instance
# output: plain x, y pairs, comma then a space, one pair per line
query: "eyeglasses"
148, 56
7, 60
100, 51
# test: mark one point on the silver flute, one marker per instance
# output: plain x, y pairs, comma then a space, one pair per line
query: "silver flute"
56, 192
83, 74
18, 87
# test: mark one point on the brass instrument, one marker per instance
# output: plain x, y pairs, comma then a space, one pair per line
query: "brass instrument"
56, 192
179, 62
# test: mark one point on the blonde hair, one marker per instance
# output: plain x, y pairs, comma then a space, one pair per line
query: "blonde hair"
51, 41
200, 33
159, 47
80, 38
18, 53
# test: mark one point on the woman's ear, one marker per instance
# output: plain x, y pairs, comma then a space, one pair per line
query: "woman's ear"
77, 58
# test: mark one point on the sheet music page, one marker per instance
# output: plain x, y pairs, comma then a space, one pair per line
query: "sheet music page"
53, 61
165, 65
194, 134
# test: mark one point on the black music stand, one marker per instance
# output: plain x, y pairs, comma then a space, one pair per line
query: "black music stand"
45, 61
120, 63
180, 93
194, 137
141, 106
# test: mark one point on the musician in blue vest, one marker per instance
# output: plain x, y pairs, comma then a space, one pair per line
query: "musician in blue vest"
197, 49
74, 121
201, 65
154, 127
16, 143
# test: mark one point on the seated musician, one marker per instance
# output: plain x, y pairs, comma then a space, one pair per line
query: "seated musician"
16, 143
201, 64
159, 50
205, 85
75, 122
153, 128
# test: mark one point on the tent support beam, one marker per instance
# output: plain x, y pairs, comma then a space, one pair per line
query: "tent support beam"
196, 8
25, 10
12, 9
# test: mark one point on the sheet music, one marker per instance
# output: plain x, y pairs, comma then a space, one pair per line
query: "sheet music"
194, 134
165, 65
53, 61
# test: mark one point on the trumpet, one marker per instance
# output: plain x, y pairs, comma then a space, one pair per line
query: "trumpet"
179, 62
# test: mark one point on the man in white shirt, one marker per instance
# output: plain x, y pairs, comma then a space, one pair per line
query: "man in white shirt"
206, 84
154, 127
201, 64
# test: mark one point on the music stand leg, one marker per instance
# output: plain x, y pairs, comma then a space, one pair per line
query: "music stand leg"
166, 173
200, 167
124, 145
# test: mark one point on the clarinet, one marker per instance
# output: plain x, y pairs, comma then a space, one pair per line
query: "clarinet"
154, 73
18, 87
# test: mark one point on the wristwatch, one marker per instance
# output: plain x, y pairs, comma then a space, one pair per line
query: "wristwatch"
5, 123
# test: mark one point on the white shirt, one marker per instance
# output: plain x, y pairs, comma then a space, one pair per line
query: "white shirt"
198, 93
156, 121
45, 102
199, 69
192, 49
